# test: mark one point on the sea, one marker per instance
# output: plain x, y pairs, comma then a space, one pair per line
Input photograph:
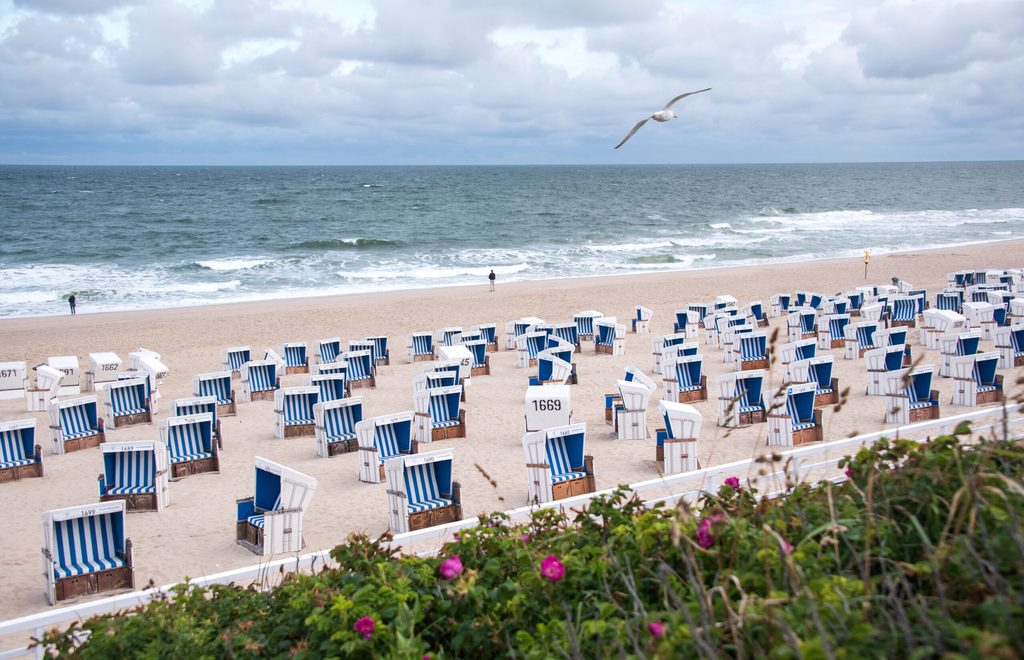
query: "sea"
126, 238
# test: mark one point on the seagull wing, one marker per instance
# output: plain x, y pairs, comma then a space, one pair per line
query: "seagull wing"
635, 129
683, 96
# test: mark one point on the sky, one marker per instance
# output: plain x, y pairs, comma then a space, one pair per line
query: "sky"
425, 82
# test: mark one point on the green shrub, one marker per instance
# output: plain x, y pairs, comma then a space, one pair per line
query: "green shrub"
919, 555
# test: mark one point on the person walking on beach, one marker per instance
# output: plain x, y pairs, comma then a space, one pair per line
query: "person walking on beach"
492, 277
71, 303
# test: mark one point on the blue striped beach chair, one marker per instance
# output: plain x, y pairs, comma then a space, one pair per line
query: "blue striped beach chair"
755, 314
296, 360
85, 551
631, 411
75, 424
216, 384
191, 447
779, 304
381, 439
855, 300
613, 402
658, 346
957, 344
557, 465
879, 362
528, 345
976, 380
293, 411
449, 336
610, 337
910, 397
832, 331
1009, 341
489, 333
904, 311
381, 352
235, 357
198, 405
818, 370
332, 386
336, 421
260, 380
127, 403
421, 492
802, 323
677, 442
327, 351
481, 365
270, 522
685, 323
684, 380
438, 414
585, 323
797, 350
421, 346
834, 305
361, 371
551, 370
860, 338
741, 398
569, 333
49, 384
135, 472
20, 456
641, 321
431, 378
753, 351
793, 419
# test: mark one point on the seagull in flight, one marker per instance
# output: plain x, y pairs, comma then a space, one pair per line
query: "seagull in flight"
665, 114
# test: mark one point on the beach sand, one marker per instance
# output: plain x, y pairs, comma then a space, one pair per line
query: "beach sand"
194, 536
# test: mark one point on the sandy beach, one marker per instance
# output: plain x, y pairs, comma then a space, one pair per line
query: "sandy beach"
194, 535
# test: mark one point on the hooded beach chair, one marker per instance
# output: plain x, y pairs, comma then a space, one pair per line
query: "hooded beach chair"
528, 345
20, 456
489, 333
976, 381
609, 337
684, 381
753, 351
879, 362
957, 344
103, 368
793, 419
641, 321
551, 369
296, 360
895, 337
332, 386
381, 353
436, 376
1010, 344
336, 422
658, 346
817, 370
980, 316
938, 322
85, 551
860, 338
741, 398
71, 383
876, 311
797, 350
854, 301
677, 443
725, 300
45, 390
949, 300
293, 411
613, 400
75, 424
569, 333
518, 327
270, 522
557, 465
834, 305
216, 384
903, 311
779, 304
673, 351
755, 314
127, 403
191, 445
420, 345
235, 357
698, 312
381, 439
481, 364
327, 351
802, 323
585, 323
1016, 311
13, 379
833, 334
910, 397
135, 472
271, 355
438, 414
631, 411
260, 380
729, 337
449, 336
682, 323
198, 405
421, 492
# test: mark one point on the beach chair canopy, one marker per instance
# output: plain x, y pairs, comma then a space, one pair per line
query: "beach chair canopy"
428, 480
85, 539
294, 354
188, 437
216, 384
18, 443
337, 418
800, 406
331, 386
390, 435
130, 468
328, 350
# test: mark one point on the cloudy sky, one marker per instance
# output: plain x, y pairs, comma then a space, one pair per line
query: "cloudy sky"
517, 81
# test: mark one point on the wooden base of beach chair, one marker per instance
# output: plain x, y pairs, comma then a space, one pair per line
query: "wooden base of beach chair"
87, 442
992, 396
601, 348
425, 357
902, 324
299, 430
449, 432
134, 502
227, 409
236, 374
701, 394
752, 417
491, 348
370, 382
481, 371
343, 447
748, 365
432, 517
114, 579
121, 421
806, 436
198, 466
854, 312
924, 414
572, 488
301, 369
262, 395
809, 335
837, 343
249, 537
762, 323
609, 410
22, 471
862, 351
830, 399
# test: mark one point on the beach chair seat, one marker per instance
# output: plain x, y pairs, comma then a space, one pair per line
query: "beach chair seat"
361, 369
420, 346
191, 446
957, 344
216, 384
296, 359
879, 362
293, 411
260, 380
976, 381
677, 443
489, 333
381, 439
135, 472
909, 396
802, 323
778, 304
557, 464
817, 370
270, 522
421, 492
75, 424
481, 361
335, 422
794, 420
20, 456
741, 399
198, 405
755, 315
85, 551
832, 334
860, 338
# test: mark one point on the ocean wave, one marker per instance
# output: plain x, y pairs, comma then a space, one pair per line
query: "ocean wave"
200, 287
29, 297
433, 272
237, 263
720, 225
629, 247
344, 244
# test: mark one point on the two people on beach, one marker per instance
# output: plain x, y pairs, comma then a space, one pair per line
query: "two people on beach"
71, 303
492, 277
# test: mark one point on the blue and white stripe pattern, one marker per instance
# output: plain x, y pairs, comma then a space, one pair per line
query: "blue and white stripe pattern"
948, 300
1017, 342
584, 325
605, 335
189, 442
86, 545
479, 352
360, 365
197, 408
688, 375
17, 447
237, 358
865, 336
329, 350
489, 333
421, 488
821, 374
967, 345
258, 520
129, 473
219, 386
128, 399
681, 321
295, 355
748, 392
568, 332
807, 322
904, 309
262, 377
332, 389
444, 410
535, 343
298, 407
79, 421
753, 348
856, 300
340, 423
386, 440
559, 461
800, 407
918, 391
837, 327
380, 348
423, 344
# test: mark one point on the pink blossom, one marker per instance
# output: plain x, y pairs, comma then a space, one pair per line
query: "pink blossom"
656, 628
451, 568
552, 569
787, 549
526, 537
364, 627
733, 482
456, 537
704, 537
849, 473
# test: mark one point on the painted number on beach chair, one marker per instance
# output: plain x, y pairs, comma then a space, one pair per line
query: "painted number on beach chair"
545, 405
111, 367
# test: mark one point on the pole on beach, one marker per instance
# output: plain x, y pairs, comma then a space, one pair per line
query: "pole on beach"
867, 260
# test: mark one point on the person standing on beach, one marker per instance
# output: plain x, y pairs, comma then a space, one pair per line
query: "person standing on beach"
71, 303
492, 277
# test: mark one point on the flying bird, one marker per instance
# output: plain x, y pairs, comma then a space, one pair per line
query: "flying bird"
662, 115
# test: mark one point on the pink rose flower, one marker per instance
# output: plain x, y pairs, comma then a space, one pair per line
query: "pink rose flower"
552, 569
733, 482
656, 628
364, 627
451, 568
703, 536
526, 537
